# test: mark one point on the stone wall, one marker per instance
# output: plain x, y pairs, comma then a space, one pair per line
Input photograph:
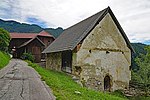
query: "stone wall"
53, 61
104, 52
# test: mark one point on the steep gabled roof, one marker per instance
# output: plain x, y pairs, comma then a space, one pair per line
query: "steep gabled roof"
76, 33
46, 34
26, 43
30, 35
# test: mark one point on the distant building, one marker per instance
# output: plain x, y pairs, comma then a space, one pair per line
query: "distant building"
33, 43
96, 50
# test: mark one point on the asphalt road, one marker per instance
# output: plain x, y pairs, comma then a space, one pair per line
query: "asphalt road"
18, 81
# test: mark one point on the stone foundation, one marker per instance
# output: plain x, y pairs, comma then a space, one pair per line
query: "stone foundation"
53, 61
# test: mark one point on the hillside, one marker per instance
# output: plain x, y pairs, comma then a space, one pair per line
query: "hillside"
13, 26
139, 49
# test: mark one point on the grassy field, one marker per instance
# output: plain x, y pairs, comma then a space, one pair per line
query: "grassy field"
4, 59
64, 87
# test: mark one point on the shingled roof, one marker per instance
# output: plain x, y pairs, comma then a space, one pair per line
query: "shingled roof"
76, 33
46, 34
26, 43
23, 35
31, 35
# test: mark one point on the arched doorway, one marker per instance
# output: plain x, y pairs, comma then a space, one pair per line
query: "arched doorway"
107, 84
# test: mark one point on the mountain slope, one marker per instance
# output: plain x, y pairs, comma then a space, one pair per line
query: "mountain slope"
13, 26
139, 49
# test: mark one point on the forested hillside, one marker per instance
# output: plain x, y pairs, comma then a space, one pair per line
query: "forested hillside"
139, 49
13, 26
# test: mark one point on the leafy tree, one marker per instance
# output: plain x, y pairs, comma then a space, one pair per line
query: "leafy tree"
142, 76
4, 40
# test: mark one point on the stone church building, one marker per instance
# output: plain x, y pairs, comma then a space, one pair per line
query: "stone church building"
96, 50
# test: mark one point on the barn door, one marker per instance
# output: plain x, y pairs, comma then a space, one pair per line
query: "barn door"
107, 84
36, 51
67, 61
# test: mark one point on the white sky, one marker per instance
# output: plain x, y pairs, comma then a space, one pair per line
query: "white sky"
133, 15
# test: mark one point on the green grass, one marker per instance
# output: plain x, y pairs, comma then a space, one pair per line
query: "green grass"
4, 59
64, 87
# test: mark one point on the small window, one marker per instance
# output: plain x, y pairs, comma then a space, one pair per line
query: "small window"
107, 52
90, 51
130, 67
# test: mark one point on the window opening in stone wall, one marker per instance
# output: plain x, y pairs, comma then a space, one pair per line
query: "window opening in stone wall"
90, 51
107, 84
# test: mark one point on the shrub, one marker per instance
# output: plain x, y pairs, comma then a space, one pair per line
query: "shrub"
4, 40
27, 56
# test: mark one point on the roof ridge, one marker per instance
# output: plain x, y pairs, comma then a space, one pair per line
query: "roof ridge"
79, 31
25, 43
87, 18
92, 25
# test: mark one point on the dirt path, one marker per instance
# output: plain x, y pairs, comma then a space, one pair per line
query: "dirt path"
21, 82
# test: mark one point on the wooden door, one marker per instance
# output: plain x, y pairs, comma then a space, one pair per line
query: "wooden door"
36, 51
107, 84
67, 61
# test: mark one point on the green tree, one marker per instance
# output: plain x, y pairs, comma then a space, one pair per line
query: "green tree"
4, 40
142, 76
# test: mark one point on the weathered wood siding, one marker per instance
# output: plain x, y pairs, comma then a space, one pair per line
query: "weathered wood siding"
46, 40
17, 42
35, 48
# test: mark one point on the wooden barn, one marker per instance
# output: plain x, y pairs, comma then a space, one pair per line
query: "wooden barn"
33, 43
96, 50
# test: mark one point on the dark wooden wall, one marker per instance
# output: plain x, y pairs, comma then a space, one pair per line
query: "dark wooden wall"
17, 42
35, 47
46, 40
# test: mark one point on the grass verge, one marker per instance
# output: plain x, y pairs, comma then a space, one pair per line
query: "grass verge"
64, 87
4, 59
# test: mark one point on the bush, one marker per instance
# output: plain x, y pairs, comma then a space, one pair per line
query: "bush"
27, 56
4, 40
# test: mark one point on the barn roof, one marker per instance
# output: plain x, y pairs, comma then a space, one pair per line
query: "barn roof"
26, 43
23, 35
46, 34
30, 35
76, 33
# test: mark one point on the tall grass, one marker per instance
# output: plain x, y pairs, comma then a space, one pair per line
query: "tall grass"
64, 87
4, 59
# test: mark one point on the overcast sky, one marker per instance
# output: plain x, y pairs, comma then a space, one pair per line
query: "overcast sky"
133, 15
